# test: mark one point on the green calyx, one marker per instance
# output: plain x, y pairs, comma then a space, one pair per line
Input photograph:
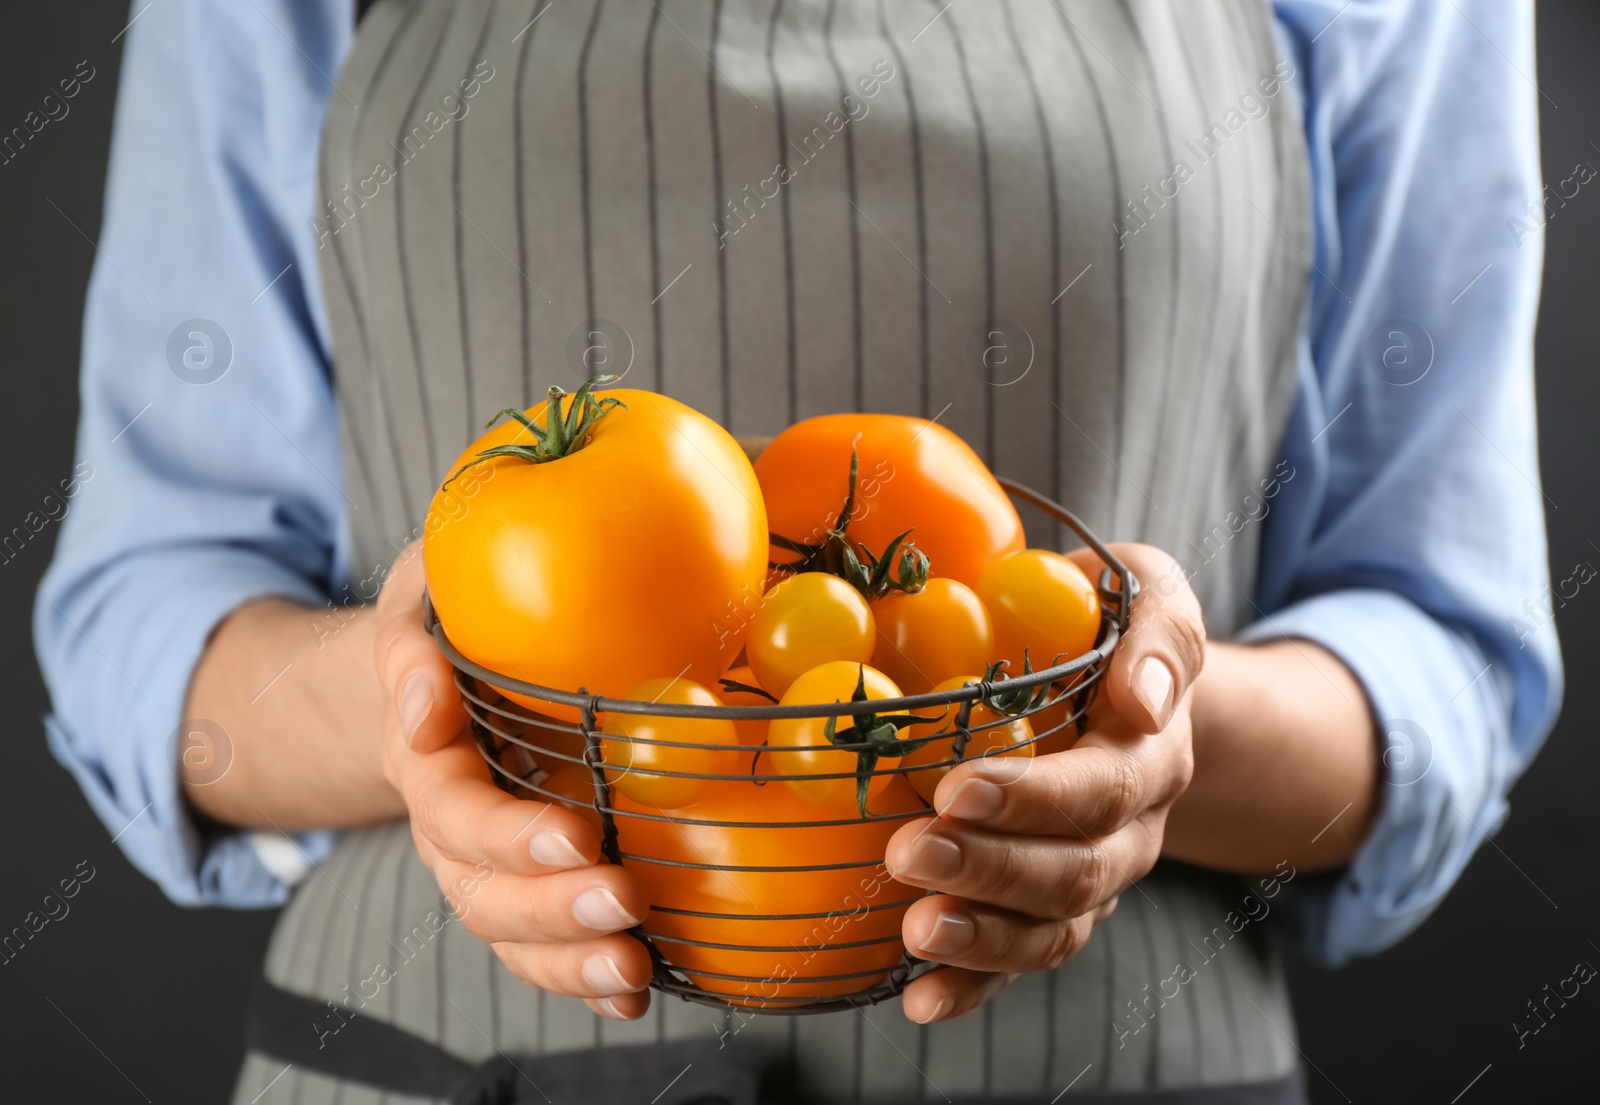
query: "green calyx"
900, 567
562, 434
1016, 700
871, 736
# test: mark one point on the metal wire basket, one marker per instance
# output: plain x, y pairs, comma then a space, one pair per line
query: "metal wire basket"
856, 933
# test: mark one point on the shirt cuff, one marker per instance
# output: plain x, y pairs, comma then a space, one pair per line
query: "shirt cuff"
120, 739
1447, 765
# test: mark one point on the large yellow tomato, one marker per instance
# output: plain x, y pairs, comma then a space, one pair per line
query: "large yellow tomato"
1040, 602
805, 621
1000, 736
843, 921
931, 635
603, 567
914, 475
644, 754
800, 750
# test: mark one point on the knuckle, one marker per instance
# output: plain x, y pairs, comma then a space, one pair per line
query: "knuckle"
388, 650
1187, 634
1094, 876
1119, 798
1065, 940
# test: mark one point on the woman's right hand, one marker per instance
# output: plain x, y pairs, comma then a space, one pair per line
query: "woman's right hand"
522, 876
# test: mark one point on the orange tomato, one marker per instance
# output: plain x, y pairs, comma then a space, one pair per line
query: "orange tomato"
635, 764
932, 635
606, 566
1040, 602
766, 900
913, 475
990, 734
799, 748
804, 621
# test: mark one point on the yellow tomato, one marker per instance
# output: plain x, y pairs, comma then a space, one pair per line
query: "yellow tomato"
634, 765
1040, 602
932, 635
799, 748
1003, 737
807, 620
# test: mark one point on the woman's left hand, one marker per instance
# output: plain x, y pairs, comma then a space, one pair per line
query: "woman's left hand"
1027, 855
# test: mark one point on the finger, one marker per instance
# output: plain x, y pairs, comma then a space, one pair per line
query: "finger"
1165, 647
949, 992
563, 907
1112, 775
623, 1007
979, 937
421, 685
601, 968
1053, 878
467, 818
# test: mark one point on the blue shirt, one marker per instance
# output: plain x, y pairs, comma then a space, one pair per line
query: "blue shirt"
1410, 540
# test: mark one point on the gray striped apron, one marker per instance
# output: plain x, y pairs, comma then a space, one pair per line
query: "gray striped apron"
1075, 233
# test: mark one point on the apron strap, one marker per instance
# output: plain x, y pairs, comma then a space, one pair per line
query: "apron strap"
326, 1037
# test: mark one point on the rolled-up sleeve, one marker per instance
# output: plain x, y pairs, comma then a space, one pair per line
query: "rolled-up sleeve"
207, 470
1412, 543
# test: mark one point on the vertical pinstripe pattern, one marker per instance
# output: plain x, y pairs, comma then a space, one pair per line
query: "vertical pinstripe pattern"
696, 174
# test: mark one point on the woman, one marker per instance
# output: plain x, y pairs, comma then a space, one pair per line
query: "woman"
1251, 286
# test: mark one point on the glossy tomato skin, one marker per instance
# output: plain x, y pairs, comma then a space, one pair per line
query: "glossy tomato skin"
804, 621
799, 747
758, 899
1042, 602
1001, 737
630, 552
913, 475
928, 637
634, 766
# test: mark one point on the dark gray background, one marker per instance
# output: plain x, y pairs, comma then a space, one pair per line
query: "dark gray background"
129, 998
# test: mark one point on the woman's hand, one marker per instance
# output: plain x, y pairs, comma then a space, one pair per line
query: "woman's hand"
521, 875
1028, 855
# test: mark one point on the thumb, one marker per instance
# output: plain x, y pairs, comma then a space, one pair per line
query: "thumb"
1161, 656
416, 676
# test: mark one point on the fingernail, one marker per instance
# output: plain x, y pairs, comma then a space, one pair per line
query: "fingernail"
939, 1011
555, 850
599, 909
974, 800
951, 933
1152, 686
416, 703
608, 1008
600, 972
933, 858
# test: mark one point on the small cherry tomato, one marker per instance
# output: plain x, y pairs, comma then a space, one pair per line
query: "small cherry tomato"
799, 748
634, 765
1040, 602
990, 734
809, 619
932, 635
